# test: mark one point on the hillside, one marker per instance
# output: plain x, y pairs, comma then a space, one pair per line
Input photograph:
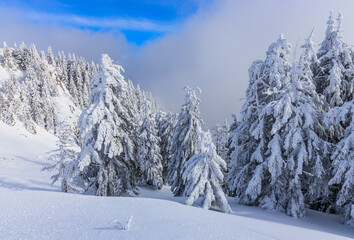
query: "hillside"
31, 208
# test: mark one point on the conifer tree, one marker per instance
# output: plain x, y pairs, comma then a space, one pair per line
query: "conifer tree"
184, 143
7, 60
106, 162
2, 106
203, 175
220, 135
25, 112
342, 181
249, 140
310, 108
12, 101
64, 160
149, 151
334, 72
34, 98
256, 162
165, 125
50, 57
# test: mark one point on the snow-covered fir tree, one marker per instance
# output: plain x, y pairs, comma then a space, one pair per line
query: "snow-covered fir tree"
165, 123
149, 157
309, 108
2, 105
203, 175
220, 138
25, 111
64, 160
229, 145
249, 141
184, 142
256, 174
7, 60
334, 72
342, 181
50, 56
12, 100
33, 95
334, 78
278, 146
106, 162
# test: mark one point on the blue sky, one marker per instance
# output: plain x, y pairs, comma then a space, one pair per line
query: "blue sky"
138, 20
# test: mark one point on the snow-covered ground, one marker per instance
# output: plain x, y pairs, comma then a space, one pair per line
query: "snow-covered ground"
31, 208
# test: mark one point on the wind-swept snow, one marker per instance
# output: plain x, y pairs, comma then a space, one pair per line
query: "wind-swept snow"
30, 208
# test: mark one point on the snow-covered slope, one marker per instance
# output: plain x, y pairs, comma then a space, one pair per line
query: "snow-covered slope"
30, 208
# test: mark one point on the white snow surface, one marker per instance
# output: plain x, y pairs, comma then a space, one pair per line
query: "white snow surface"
31, 208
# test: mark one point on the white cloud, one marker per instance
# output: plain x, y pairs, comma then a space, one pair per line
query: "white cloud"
216, 47
15, 29
84, 21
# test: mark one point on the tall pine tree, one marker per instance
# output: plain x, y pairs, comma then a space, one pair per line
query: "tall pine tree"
106, 162
184, 143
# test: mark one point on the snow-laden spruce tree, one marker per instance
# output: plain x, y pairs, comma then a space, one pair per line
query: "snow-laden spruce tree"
50, 56
279, 146
203, 175
220, 138
32, 85
165, 123
297, 156
7, 59
12, 102
229, 144
342, 181
72, 78
273, 184
24, 113
251, 138
47, 92
106, 162
334, 72
148, 154
309, 109
184, 143
65, 158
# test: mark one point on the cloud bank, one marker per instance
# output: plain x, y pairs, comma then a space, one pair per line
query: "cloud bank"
15, 28
216, 47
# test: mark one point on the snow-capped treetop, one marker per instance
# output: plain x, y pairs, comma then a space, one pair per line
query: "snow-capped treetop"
302, 74
339, 25
277, 65
334, 72
110, 75
308, 55
191, 100
330, 25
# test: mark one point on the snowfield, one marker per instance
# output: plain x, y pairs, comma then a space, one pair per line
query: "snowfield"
31, 208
